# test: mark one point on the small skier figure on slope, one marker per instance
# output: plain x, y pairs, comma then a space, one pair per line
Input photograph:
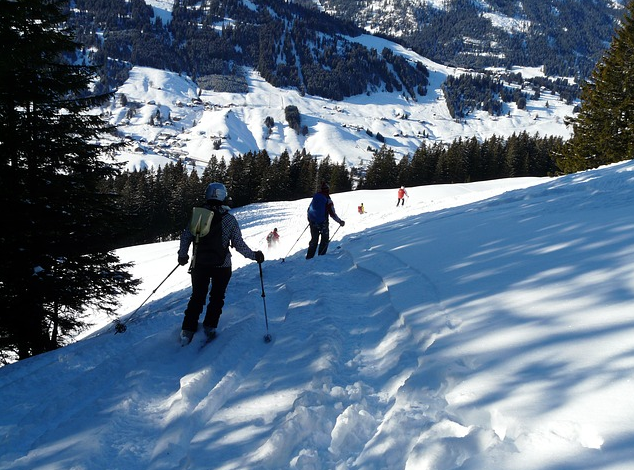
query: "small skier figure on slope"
319, 211
401, 196
273, 238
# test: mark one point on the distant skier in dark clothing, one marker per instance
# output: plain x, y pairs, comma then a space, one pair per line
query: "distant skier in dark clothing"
319, 211
211, 262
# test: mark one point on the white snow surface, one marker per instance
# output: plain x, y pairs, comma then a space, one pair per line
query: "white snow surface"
162, 9
206, 122
482, 326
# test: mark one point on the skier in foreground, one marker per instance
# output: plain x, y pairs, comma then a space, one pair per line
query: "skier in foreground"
321, 207
211, 263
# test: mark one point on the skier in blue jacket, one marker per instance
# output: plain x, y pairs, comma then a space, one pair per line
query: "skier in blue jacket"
320, 209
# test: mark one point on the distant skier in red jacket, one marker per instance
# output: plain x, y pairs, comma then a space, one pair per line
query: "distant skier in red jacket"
401, 196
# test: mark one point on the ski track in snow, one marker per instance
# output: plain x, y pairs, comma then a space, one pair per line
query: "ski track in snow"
404, 347
351, 402
359, 411
353, 411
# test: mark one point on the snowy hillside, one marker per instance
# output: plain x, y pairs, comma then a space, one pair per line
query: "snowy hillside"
482, 326
171, 120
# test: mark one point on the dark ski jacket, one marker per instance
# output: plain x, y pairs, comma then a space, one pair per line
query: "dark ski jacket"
320, 208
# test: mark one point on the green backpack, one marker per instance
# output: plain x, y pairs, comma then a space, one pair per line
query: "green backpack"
207, 224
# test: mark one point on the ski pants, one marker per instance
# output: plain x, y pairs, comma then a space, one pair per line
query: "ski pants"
317, 230
399, 200
202, 276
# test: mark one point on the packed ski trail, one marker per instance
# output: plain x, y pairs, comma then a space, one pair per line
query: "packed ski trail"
479, 327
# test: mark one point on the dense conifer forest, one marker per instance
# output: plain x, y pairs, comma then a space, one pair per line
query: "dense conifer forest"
58, 257
487, 92
602, 130
289, 45
157, 204
566, 37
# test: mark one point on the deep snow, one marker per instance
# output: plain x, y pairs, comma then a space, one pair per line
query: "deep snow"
195, 124
482, 326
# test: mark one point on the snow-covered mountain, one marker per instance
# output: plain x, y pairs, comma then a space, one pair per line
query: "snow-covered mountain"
566, 36
168, 117
482, 326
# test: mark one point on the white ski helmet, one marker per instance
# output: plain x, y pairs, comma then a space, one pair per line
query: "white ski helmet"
216, 192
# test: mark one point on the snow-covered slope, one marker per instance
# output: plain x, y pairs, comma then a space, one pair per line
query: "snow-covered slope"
482, 326
195, 124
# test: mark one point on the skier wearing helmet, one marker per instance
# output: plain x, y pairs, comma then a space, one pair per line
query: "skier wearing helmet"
212, 232
321, 207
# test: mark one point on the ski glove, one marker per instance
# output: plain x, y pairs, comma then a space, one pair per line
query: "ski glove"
183, 260
342, 223
259, 257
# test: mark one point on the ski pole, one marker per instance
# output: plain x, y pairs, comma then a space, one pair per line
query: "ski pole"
300, 236
267, 336
333, 235
120, 326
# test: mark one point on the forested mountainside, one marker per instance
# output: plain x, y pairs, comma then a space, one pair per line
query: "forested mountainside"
289, 45
306, 46
567, 37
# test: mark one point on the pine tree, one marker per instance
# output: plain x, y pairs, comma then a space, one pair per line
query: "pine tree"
57, 250
238, 179
493, 158
404, 171
603, 132
215, 171
304, 170
340, 179
382, 172
276, 183
423, 166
